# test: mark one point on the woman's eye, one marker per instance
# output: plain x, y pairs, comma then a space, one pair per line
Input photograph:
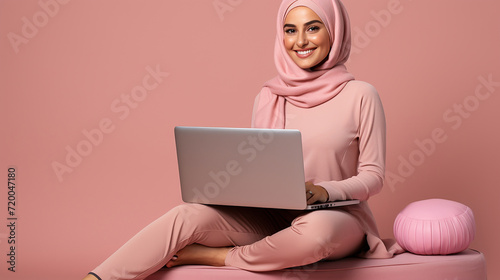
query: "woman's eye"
313, 28
289, 31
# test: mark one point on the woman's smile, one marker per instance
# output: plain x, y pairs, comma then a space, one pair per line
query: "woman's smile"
304, 53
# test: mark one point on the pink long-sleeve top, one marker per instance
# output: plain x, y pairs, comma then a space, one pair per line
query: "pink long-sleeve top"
344, 146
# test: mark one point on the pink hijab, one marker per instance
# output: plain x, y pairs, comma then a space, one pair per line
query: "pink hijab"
305, 88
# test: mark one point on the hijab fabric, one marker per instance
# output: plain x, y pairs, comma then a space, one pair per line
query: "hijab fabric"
311, 87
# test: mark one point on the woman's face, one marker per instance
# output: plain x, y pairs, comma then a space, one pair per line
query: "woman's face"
306, 38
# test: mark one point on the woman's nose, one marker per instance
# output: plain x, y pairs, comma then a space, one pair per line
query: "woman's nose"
302, 40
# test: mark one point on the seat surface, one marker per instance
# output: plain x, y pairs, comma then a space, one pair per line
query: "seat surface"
467, 265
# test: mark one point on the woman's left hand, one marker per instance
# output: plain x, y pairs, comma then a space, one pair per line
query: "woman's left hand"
315, 193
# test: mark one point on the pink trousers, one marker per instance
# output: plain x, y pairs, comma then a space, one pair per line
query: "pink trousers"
264, 239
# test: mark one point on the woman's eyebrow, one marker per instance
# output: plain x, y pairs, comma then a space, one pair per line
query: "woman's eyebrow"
305, 24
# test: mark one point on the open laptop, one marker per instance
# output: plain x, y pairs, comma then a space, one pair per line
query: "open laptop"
243, 167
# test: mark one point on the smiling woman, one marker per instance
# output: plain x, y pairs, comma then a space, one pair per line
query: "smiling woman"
342, 124
306, 38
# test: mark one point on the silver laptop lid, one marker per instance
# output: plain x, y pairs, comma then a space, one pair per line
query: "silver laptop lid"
241, 166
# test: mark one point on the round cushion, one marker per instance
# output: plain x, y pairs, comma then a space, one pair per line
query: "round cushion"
435, 227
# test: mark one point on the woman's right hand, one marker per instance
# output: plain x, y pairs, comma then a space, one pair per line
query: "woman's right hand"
315, 193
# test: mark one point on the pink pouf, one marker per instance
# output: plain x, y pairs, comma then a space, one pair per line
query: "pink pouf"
435, 227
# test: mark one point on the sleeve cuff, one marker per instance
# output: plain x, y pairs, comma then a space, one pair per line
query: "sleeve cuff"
334, 194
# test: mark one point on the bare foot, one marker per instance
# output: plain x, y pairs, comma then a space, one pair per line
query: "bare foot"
199, 254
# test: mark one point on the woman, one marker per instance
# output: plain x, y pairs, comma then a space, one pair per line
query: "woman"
343, 128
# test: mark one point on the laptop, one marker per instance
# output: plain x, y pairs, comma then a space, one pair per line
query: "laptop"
243, 167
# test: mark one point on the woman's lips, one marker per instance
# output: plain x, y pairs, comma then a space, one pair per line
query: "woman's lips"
304, 53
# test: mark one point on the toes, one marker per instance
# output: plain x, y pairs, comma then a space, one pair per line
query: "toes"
172, 261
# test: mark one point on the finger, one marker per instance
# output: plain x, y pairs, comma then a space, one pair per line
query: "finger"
309, 185
309, 193
312, 198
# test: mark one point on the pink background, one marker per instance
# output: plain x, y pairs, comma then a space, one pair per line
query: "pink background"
69, 68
